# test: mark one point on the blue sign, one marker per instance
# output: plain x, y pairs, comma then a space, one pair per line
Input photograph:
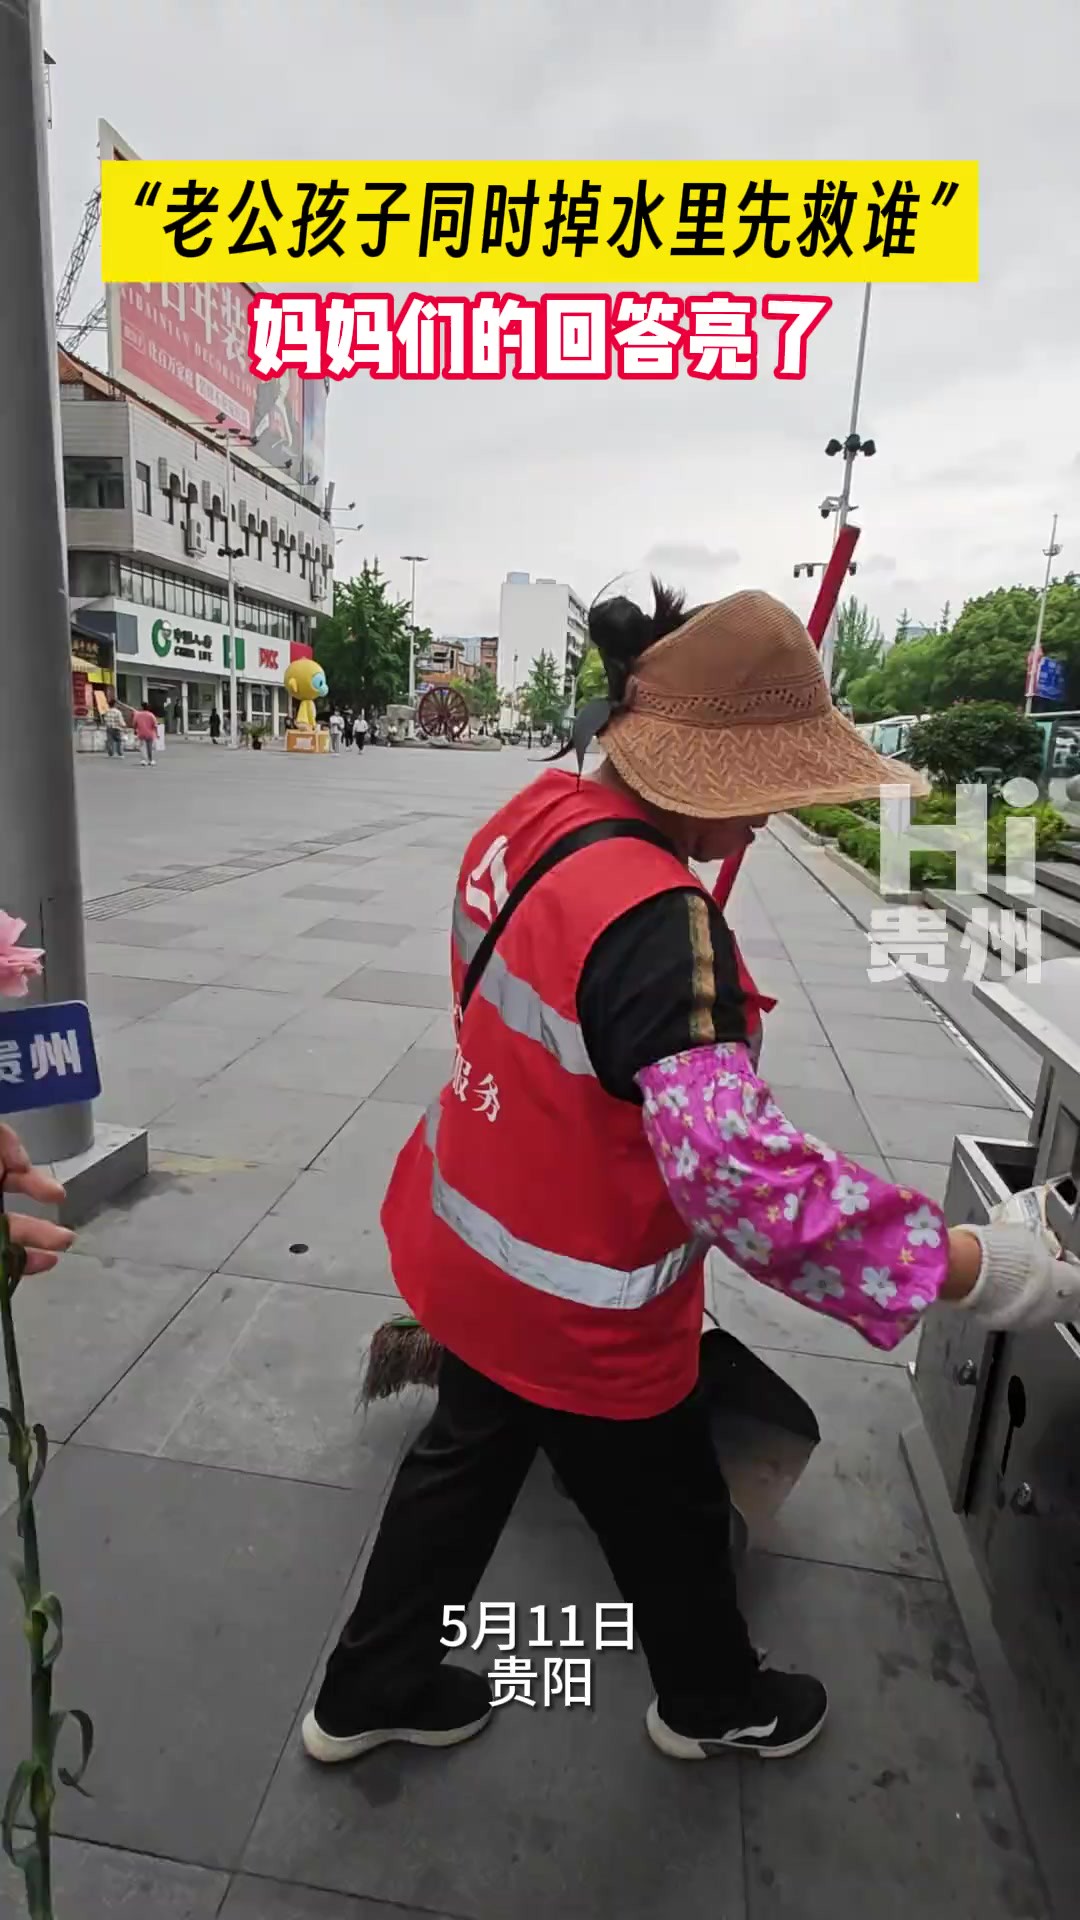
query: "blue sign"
1051, 681
47, 1057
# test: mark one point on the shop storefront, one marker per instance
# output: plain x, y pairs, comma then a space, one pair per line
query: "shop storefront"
92, 672
180, 668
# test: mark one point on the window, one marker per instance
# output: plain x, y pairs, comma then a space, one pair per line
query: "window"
171, 507
142, 487
247, 541
93, 480
172, 595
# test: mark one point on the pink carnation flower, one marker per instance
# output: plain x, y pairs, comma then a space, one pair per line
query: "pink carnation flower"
16, 962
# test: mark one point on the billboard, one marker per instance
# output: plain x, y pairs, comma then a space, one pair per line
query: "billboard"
185, 348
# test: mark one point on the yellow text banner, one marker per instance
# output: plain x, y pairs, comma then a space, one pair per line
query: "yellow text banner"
646, 224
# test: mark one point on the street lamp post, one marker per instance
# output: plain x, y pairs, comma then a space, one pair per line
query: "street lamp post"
415, 560
849, 447
225, 435
1051, 553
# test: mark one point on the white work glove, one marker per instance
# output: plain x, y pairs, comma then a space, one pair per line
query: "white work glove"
1023, 1281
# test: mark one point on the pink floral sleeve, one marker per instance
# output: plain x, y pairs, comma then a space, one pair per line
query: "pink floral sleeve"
785, 1207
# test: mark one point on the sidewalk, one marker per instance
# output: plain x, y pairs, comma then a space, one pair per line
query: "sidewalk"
205, 1519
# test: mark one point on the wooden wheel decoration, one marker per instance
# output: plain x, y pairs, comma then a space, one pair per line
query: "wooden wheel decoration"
442, 714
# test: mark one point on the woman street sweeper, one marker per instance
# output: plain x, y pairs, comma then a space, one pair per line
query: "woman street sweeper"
604, 1124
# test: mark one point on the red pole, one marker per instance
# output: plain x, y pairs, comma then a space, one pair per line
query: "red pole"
828, 594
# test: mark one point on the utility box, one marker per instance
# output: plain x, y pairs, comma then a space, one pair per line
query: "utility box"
1003, 1411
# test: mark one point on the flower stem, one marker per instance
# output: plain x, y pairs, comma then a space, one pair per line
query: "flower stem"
42, 1791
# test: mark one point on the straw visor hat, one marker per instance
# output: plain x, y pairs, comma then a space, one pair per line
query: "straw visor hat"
730, 715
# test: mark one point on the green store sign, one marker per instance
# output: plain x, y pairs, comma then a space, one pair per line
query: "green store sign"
188, 644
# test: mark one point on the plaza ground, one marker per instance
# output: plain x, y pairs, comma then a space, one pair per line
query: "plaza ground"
267, 945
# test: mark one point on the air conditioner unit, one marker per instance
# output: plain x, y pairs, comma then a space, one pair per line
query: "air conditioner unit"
318, 586
207, 496
194, 537
243, 512
163, 473
273, 532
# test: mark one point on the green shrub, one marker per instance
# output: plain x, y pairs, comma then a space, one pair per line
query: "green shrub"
956, 745
826, 820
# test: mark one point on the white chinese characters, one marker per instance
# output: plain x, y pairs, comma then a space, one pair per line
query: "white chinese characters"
485, 1091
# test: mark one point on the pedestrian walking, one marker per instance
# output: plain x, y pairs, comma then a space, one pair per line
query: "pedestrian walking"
146, 733
215, 726
337, 728
604, 1122
360, 731
347, 735
114, 730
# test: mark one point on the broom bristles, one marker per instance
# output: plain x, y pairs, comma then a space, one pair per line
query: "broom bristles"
402, 1354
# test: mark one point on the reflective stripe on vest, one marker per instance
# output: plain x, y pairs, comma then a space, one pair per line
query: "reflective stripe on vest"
518, 1005
582, 1281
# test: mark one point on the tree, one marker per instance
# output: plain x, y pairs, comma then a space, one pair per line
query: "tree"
958, 745
903, 683
860, 645
985, 657
485, 696
363, 646
592, 681
543, 698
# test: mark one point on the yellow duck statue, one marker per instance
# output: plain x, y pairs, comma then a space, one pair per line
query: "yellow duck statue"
306, 682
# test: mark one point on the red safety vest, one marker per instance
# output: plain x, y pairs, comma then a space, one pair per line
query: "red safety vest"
530, 1230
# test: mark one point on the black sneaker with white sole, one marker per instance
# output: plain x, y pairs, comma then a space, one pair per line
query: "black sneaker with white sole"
455, 1706
782, 1714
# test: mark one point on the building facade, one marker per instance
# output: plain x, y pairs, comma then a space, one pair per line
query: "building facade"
535, 617
146, 533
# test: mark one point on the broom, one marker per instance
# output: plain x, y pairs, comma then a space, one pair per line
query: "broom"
402, 1354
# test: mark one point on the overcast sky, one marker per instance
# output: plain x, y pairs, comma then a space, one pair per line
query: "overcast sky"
972, 393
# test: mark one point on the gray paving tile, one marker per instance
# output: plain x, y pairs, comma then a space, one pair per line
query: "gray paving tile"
568, 1811
134, 1096
296, 1059
332, 1218
845, 970
418, 1076
921, 1175
165, 1046
220, 1116
232, 1007
924, 1039
902, 1807
759, 946
913, 1130
369, 933
374, 1136
337, 896
395, 989
136, 930
97, 1883
82, 1325
832, 1117
784, 1025
303, 979
195, 1604
769, 1320
185, 965
792, 1064
251, 1899
884, 1002
125, 999
855, 1504
913, 1077
194, 1208
262, 1378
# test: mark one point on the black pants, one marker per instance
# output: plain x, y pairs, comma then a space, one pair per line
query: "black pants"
650, 1489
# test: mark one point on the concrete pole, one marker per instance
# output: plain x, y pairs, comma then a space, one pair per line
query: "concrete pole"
234, 725
39, 841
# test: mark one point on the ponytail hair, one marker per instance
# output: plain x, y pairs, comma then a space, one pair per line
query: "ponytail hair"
621, 632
